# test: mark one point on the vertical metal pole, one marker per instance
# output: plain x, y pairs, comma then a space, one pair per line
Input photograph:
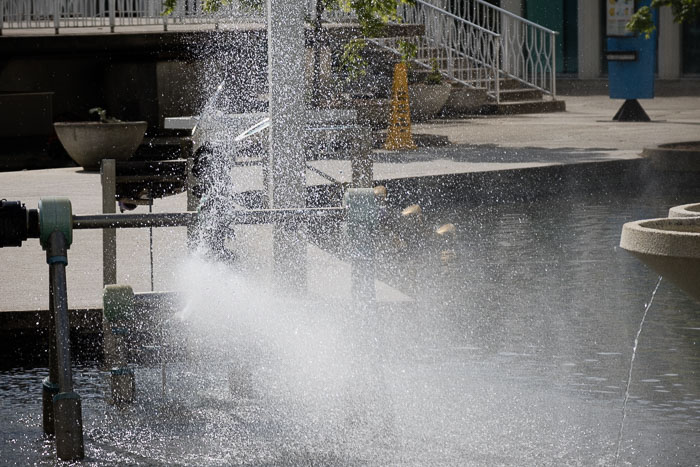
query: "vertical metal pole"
505, 36
287, 164
191, 199
553, 42
50, 384
112, 15
56, 257
150, 241
361, 162
497, 70
68, 420
362, 219
109, 236
57, 15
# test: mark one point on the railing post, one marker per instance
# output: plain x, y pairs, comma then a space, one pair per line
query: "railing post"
505, 36
112, 15
553, 42
497, 69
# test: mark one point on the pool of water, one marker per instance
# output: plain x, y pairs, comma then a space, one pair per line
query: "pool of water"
515, 351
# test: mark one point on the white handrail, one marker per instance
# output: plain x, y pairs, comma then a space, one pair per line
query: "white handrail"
519, 49
58, 14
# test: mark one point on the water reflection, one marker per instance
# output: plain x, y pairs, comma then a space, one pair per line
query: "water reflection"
514, 352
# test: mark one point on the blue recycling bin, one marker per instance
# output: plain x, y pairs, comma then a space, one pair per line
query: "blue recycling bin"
631, 68
631, 65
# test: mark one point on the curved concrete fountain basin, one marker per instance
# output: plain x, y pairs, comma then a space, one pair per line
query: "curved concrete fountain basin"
675, 157
685, 210
670, 246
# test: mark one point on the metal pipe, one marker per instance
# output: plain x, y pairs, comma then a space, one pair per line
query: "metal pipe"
49, 385
254, 216
108, 178
67, 411
56, 256
111, 221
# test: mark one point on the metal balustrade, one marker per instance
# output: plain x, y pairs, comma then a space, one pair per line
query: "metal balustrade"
58, 14
462, 51
471, 41
467, 31
480, 45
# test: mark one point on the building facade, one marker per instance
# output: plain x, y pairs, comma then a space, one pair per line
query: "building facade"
582, 32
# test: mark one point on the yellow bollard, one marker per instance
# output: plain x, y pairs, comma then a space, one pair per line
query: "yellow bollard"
399, 134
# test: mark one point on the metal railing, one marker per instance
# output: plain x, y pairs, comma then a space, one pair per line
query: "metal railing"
463, 51
58, 14
527, 51
479, 45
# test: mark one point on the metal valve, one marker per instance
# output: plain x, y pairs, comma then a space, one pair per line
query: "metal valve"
17, 223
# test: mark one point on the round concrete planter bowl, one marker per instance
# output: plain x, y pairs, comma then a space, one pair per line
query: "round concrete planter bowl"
87, 143
670, 246
675, 157
685, 210
427, 100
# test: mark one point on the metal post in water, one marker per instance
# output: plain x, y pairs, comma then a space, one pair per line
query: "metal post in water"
50, 384
362, 219
287, 165
192, 201
117, 309
55, 230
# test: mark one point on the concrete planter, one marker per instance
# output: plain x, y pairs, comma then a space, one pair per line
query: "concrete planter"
464, 100
675, 157
427, 100
87, 143
671, 247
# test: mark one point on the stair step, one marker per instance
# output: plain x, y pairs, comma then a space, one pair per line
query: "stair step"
524, 107
520, 94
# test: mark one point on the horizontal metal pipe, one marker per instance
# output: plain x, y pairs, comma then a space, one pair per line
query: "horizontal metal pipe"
109, 221
254, 216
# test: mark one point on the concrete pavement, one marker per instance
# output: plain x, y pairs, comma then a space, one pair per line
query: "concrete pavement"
584, 134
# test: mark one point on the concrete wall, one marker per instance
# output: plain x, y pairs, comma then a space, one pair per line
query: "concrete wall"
134, 76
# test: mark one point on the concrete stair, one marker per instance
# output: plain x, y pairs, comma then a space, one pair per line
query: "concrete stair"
515, 99
472, 98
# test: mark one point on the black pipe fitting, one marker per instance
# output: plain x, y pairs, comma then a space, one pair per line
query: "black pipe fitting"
17, 223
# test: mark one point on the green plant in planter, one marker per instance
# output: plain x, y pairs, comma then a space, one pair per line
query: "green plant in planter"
101, 115
434, 77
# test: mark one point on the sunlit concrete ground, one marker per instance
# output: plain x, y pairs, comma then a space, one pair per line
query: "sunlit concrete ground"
582, 134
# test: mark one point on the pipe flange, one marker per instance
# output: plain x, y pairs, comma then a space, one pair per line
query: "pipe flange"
117, 302
55, 214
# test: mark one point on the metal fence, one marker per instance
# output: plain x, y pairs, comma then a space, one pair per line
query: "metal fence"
58, 14
527, 51
480, 45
